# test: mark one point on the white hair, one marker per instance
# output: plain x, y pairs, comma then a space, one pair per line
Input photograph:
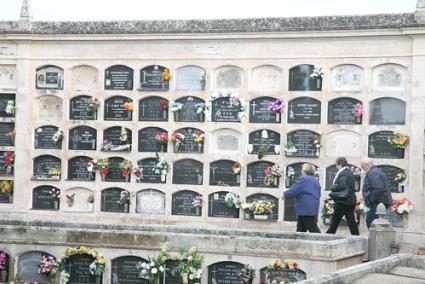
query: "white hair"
367, 161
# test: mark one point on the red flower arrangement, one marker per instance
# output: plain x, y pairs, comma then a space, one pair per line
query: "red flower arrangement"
163, 104
9, 158
162, 137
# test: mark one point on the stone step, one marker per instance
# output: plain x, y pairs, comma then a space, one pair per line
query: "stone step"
379, 278
408, 272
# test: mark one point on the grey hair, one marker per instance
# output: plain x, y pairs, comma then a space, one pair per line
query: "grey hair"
367, 161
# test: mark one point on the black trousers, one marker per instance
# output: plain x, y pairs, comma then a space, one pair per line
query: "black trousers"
348, 211
307, 223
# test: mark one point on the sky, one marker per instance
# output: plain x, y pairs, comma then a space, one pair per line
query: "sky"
80, 10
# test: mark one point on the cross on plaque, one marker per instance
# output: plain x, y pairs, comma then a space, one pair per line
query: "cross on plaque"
213, 278
254, 105
143, 108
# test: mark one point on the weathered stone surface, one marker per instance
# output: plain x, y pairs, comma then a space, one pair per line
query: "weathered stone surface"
411, 272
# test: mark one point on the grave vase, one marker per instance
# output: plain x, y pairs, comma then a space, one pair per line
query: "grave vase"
3, 276
12, 140
176, 115
163, 147
247, 216
359, 119
201, 117
199, 179
319, 83
287, 182
98, 279
90, 207
164, 114
56, 204
127, 178
10, 198
198, 210
103, 177
200, 147
126, 207
261, 217
238, 178
9, 170
163, 178
277, 116
275, 181
95, 115
129, 112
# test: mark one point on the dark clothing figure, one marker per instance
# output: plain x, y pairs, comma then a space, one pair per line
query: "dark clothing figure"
306, 191
375, 190
344, 180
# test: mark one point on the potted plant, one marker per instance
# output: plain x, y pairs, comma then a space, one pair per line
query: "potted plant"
163, 107
6, 187
55, 193
246, 274
276, 106
90, 201
125, 200
272, 174
128, 106
176, 109
162, 138
177, 138
198, 139
126, 167
3, 266
357, 112
161, 167
197, 203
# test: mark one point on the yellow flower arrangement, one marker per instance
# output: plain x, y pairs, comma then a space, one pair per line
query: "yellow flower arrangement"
166, 76
6, 187
96, 268
399, 140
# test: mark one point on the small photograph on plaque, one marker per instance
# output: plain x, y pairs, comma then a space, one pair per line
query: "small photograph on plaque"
47, 167
150, 201
155, 78
124, 270
188, 140
77, 169
118, 108
186, 203
7, 134
387, 111
83, 108
119, 77
43, 137
82, 138
265, 110
152, 139
345, 111
49, 77
331, 173
189, 109
218, 207
225, 272
380, 147
46, 197
264, 142
263, 174
303, 143
111, 201
305, 77
304, 110
7, 105
190, 78
117, 139
153, 109
225, 173
188, 171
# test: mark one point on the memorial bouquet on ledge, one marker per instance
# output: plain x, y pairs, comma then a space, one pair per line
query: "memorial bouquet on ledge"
10, 108
176, 107
399, 177
48, 266
198, 137
272, 174
197, 202
163, 105
259, 207
58, 136
154, 269
276, 106
93, 105
6, 187
177, 138
398, 140
162, 138
402, 206
126, 166
236, 168
328, 209
161, 166
128, 106
317, 72
189, 265
232, 200
357, 110
246, 274
166, 75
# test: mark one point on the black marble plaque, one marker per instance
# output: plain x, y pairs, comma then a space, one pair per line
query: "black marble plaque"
387, 111
4, 100
28, 264
151, 79
77, 266
47, 168
169, 277
188, 145
77, 169
42, 198
49, 77
256, 176
147, 141
153, 109
82, 138
79, 109
222, 110
217, 206
43, 138
115, 173
6, 168
6, 129
259, 112
289, 210
114, 109
189, 111
340, 111
303, 142
221, 174
109, 201
390, 172
148, 175
266, 198
182, 204
379, 147
112, 140
300, 80
188, 171
119, 77
266, 140
331, 173
304, 110
282, 275
225, 272
124, 270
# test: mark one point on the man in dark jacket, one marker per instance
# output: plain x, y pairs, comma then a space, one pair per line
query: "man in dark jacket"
375, 190
343, 183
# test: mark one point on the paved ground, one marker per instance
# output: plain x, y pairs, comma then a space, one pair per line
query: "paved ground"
398, 275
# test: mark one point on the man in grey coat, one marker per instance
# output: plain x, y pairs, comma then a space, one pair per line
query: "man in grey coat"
375, 190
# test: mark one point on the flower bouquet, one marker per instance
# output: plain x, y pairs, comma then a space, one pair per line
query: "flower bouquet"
290, 175
261, 209
153, 270
11, 135
272, 274
177, 138
290, 148
161, 167
163, 106
200, 111
316, 138
358, 111
361, 206
262, 151
93, 106
9, 160
272, 174
55, 193
6, 187
166, 75
48, 266
198, 139
128, 106
138, 173
103, 166
126, 166
317, 72
3, 266
402, 206
162, 138
398, 140
197, 203
232, 200
246, 274
124, 199
57, 137
10, 108
277, 106
189, 265
328, 210
236, 168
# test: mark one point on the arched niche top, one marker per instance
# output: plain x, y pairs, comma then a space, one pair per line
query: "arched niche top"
77, 200
188, 171
228, 77
150, 201
300, 79
225, 139
28, 264
119, 78
50, 107
49, 77
84, 78
347, 78
7, 77
387, 111
267, 78
190, 78
47, 167
340, 143
389, 76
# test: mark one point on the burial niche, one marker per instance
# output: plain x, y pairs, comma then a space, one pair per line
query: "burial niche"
301, 78
82, 138
28, 263
153, 139
190, 78
155, 78
153, 109
260, 174
43, 138
303, 143
7, 105
45, 197
304, 110
150, 201
389, 77
118, 108
124, 271
379, 147
47, 167
347, 78
186, 203
264, 142
188, 171
110, 201
267, 78
225, 173
117, 139
225, 272
119, 77
77, 169
78, 200
345, 111
217, 206
79, 108
49, 77
331, 173
229, 77
84, 79
193, 141
387, 111
282, 275
265, 110
189, 109
262, 197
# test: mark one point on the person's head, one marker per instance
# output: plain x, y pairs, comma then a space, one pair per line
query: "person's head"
308, 169
366, 164
341, 162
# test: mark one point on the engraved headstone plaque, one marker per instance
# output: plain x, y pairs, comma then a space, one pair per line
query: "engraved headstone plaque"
115, 173
6, 163
379, 147
43, 138
7, 136
390, 172
148, 174
42, 199
47, 167
222, 110
221, 173
256, 176
147, 141
283, 275
266, 198
387, 111
192, 110
115, 110
217, 206
340, 111
153, 78
259, 112
182, 204
304, 110
5, 100
110, 201
264, 140
303, 141
82, 138
77, 169
28, 265
188, 171
189, 144
300, 80
124, 271
6, 197
119, 77
49, 77
331, 173
79, 109
117, 139
150, 201
78, 268
153, 109
225, 272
